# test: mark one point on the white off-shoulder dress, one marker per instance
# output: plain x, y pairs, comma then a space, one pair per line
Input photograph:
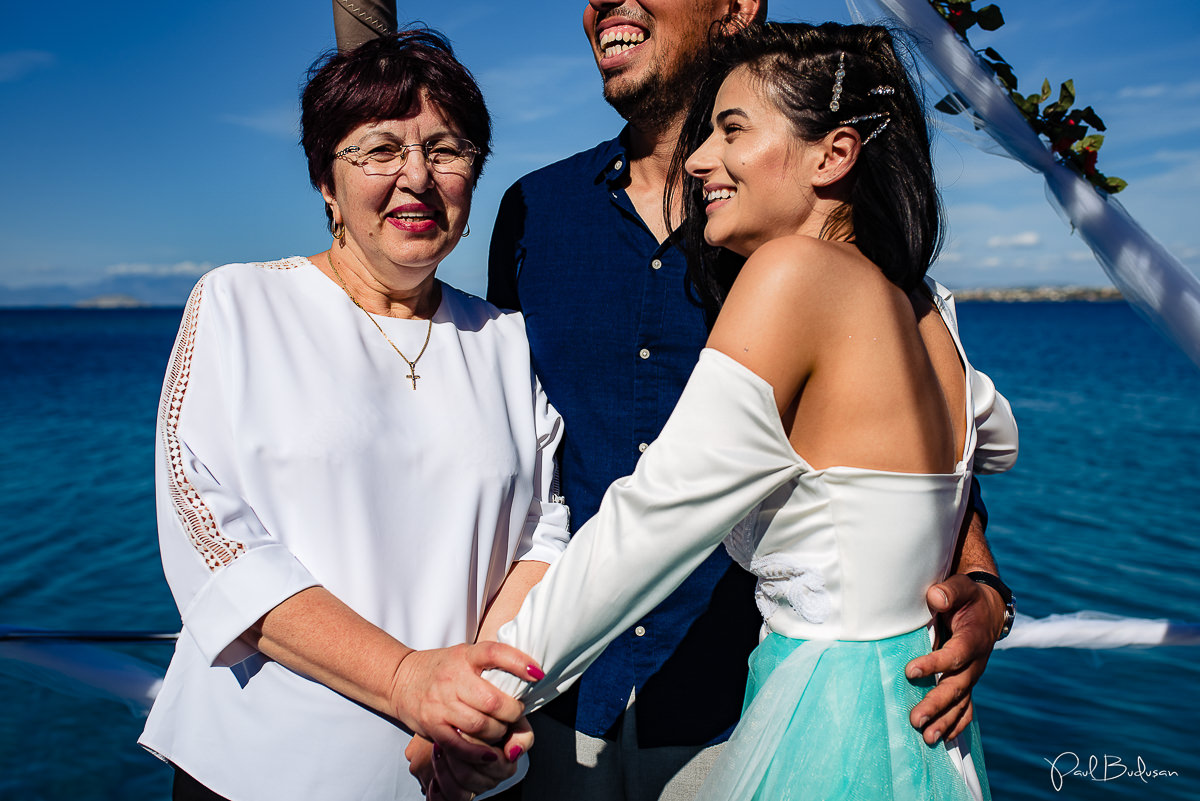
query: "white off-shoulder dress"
844, 556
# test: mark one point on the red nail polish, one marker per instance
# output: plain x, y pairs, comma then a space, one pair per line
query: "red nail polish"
535, 672
515, 752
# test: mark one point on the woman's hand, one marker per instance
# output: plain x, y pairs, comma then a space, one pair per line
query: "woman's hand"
419, 754
458, 779
440, 694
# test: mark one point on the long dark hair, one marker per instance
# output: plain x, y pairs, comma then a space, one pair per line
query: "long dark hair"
893, 213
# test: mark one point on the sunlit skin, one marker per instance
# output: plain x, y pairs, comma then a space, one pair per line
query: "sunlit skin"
757, 175
664, 35
668, 38
399, 227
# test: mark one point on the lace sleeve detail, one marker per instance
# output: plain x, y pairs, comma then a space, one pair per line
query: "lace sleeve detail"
198, 521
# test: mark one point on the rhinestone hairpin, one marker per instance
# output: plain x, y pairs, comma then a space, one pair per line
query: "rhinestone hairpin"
835, 104
878, 115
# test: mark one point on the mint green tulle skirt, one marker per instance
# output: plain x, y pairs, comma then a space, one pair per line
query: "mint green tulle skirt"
829, 720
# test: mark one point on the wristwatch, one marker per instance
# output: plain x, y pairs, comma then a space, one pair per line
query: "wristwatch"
1010, 603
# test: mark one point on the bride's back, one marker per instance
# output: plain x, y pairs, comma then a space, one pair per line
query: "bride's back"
864, 375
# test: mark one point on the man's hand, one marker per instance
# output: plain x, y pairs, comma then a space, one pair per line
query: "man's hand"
973, 614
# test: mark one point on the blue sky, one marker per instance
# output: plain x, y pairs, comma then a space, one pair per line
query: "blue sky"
142, 140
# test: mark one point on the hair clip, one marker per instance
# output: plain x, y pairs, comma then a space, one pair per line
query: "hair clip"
878, 115
835, 104
882, 90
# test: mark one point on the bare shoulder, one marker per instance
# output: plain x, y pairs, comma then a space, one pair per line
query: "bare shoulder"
782, 308
803, 281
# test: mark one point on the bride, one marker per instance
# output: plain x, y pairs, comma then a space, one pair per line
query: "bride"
833, 423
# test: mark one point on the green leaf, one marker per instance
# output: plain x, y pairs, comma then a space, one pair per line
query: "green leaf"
990, 18
1066, 94
1028, 105
1092, 142
1089, 116
1005, 73
1114, 185
1045, 90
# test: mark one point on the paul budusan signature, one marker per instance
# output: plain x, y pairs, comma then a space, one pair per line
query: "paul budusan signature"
1106, 768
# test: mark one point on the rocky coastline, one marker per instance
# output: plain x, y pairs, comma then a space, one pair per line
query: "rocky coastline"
1040, 294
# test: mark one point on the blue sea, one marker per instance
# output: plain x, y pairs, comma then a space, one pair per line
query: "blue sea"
1099, 514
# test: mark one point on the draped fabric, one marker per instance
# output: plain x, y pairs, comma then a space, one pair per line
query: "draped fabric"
1152, 280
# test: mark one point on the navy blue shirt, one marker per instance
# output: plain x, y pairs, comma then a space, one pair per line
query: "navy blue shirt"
615, 334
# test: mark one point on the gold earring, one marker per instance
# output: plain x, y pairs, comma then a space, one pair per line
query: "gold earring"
339, 232
467, 231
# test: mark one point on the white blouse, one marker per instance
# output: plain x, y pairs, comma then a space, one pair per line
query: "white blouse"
294, 452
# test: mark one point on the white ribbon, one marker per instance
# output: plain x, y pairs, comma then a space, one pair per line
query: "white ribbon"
1152, 280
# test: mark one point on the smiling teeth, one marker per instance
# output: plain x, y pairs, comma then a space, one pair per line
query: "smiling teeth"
616, 42
718, 194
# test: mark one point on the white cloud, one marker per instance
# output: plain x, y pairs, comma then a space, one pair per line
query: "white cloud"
281, 122
1191, 89
191, 268
17, 64
991, 262
1025, 239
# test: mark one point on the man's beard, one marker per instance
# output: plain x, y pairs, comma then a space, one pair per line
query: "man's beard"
659, 99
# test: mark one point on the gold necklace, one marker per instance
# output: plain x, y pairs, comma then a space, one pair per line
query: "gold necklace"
412, 363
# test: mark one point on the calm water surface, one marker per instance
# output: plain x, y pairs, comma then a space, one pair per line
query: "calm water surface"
1099, 514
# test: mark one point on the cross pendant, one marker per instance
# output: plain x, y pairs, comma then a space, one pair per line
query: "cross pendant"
413, 377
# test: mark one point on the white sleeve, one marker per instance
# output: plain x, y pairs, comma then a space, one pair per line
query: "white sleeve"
997, 441
545, 533
224, 568
721, 452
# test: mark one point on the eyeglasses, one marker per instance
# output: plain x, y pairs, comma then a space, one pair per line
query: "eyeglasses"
445, 155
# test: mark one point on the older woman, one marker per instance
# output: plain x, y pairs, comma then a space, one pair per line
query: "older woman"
354, 468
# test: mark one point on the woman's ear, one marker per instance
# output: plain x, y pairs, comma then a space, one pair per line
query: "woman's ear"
838, 155
332, 203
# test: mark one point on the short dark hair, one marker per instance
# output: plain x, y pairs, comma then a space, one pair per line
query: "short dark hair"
385, 79
893, 211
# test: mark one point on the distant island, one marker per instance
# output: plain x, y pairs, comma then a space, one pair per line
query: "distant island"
1040, 294
113, 301
172, 292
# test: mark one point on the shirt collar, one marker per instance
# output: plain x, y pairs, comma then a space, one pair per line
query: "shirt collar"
616, 165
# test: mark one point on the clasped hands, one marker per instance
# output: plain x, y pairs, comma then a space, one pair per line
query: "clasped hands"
468, 735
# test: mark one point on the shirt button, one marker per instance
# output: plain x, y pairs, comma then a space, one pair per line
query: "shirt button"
642, 447
640, 631
618, 164
656, 264
645, 354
